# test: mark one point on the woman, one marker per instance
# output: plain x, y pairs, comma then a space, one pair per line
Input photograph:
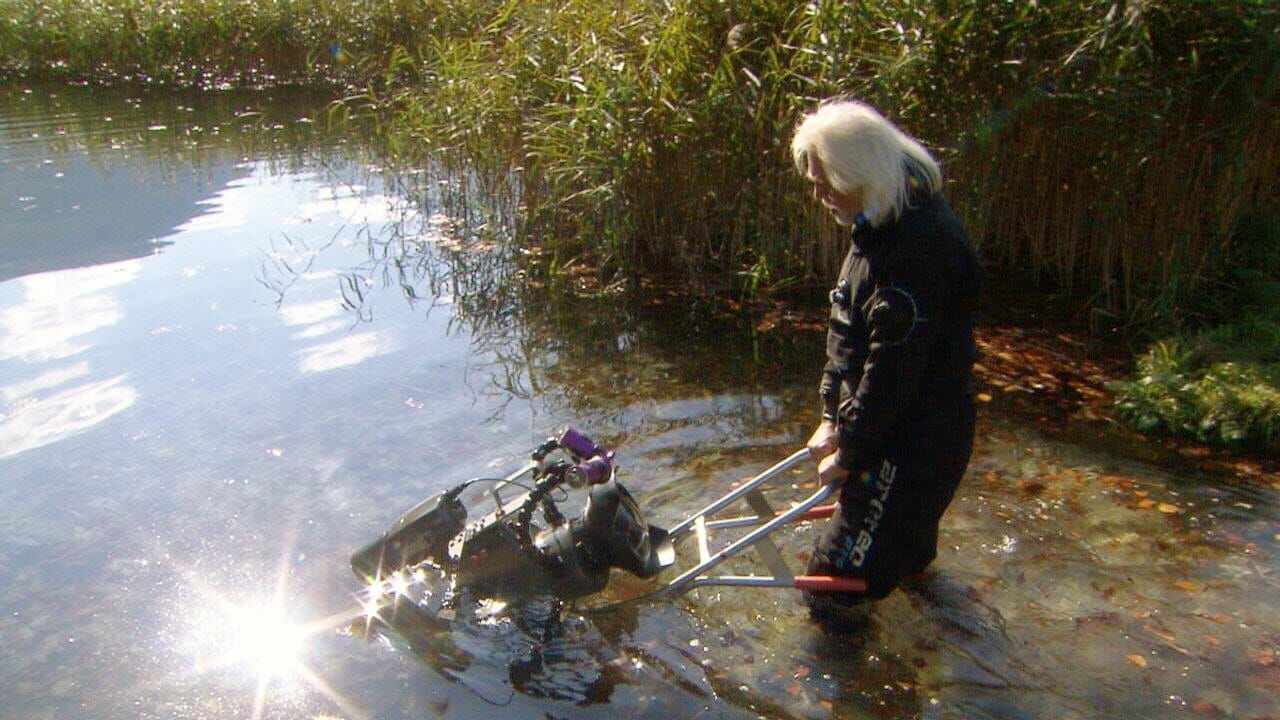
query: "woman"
897, 390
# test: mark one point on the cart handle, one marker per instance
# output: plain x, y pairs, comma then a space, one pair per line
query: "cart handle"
829, 583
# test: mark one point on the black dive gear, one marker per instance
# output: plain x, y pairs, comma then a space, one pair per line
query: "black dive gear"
420, 535
898, 383
503, 554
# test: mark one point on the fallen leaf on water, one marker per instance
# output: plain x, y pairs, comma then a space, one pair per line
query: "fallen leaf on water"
802, 671
1236, 539
1031, 487
1188, 586
827, 705
1117, 481
1267, 679
1159, 629
1136, 659
1144, 504
1211, 641
1216, 617
1204, 707
1140, 493
794, 689
1265, 657
1105, 617
984, 397
1169, 509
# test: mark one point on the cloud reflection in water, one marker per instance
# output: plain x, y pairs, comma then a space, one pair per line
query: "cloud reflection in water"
47, 420
58, 310
350, 350
323, 317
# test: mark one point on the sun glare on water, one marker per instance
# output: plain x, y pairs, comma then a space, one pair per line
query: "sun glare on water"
258, 642
265, 645
267, 641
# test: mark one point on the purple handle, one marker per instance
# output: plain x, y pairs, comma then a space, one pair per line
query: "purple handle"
596, 464
579, 444
596, 470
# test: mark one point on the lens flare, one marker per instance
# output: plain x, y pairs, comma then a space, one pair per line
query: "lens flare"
399, 583
256, 638
371, 607
268, 642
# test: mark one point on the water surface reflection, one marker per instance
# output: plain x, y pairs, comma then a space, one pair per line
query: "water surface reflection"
288, 347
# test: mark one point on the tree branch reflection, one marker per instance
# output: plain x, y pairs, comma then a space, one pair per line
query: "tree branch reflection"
612, 356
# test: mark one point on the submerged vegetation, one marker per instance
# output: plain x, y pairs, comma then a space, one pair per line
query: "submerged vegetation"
1111, 149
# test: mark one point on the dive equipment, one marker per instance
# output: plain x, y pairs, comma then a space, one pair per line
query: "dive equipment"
504, 554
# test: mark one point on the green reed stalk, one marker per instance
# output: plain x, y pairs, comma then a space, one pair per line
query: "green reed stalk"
1110, 148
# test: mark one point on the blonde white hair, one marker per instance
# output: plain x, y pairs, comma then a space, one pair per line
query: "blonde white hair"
861, 151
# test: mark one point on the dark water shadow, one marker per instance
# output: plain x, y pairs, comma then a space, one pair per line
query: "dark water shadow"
518, 658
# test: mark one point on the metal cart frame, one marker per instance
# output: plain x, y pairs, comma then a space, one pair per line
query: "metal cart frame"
765, 522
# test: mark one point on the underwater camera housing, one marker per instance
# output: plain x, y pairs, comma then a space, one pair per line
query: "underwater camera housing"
504, 555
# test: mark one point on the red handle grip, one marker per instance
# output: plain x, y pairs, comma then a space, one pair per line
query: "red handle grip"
829, 583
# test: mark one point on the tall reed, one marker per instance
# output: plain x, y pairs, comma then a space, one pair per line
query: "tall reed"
1111, 148
212, 41
1107, 148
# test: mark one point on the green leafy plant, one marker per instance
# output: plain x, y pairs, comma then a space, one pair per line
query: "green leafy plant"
1220, 385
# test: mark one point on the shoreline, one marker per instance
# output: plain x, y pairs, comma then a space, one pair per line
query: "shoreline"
1037, 365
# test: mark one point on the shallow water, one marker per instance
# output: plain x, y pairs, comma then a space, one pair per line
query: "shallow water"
230, 353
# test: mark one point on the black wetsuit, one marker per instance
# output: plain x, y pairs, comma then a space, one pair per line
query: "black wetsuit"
898, 381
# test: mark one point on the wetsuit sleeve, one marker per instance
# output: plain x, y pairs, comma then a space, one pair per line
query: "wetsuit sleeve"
899, 314
829, 391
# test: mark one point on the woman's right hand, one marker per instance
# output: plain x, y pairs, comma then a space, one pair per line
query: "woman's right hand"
824, 441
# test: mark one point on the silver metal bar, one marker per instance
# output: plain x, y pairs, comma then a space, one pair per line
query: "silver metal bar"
700, 528
692, 577
679, 530
744, 581
507, 507
527, 467
688, 576
735, 522
768, 551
